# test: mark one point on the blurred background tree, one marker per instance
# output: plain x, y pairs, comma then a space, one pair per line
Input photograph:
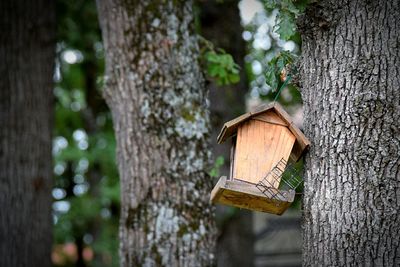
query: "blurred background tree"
86, 193
27, 44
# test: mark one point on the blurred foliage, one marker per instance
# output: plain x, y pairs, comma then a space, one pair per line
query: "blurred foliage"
279, 69
86, 190
289, 10
218, 64
272, 57
282, 66
222, 67
218, 163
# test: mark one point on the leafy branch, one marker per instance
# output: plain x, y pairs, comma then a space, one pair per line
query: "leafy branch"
289, 10
219, 65
279, 69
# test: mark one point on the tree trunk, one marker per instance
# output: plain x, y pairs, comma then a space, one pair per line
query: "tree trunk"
350, 81
155, 89
27, 46
235, 246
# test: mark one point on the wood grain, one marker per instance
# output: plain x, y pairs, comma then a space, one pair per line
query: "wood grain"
247, 196
259, 148
232, 158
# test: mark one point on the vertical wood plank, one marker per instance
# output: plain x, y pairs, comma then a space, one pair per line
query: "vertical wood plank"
260, 145
232, 158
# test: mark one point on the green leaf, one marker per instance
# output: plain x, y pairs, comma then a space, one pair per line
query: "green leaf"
271, 79
212, 57
221, 67
235, 70
219, 161
286, 25
213, 70
270, 5
213, 173
222, 73
234, 78
289, 6
280, 64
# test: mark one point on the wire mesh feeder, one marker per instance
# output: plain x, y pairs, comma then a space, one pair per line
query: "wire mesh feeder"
280, 188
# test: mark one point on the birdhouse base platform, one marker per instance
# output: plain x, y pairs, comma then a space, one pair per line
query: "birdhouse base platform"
247, 196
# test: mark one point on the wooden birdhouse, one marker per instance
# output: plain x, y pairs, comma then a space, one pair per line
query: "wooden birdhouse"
262, 143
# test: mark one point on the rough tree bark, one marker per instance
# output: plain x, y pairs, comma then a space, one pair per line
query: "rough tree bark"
155, 89
350, 81
235, 246
27, 46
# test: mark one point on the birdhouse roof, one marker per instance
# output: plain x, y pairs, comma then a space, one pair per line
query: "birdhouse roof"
230, 128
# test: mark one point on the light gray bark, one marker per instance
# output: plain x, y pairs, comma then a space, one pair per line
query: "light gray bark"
27, 52
156, 92
350, 79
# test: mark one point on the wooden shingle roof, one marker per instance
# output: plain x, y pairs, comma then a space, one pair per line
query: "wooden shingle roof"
302, 143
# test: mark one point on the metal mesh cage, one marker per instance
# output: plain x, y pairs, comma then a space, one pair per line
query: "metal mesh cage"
280, 182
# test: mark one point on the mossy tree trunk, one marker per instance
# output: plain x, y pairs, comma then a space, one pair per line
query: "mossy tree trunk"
350, 79
27, 53
155, 89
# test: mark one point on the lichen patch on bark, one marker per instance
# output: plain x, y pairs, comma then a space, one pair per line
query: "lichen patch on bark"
156, 92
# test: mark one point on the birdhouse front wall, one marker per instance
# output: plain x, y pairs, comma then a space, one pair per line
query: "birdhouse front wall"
261, 142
